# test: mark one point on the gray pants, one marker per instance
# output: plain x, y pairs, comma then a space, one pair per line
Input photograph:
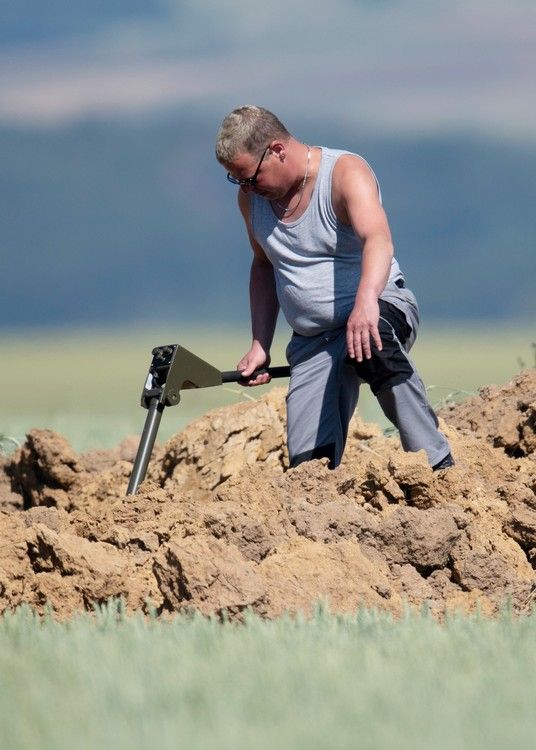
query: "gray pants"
324, 389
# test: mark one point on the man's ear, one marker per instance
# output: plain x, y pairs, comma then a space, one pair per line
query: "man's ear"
278, 148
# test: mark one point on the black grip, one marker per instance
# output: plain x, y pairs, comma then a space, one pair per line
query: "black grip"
234, 376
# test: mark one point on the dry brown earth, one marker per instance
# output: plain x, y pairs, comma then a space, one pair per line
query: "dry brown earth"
220, 524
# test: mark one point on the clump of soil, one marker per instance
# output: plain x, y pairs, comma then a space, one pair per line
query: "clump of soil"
221, 525
505, 417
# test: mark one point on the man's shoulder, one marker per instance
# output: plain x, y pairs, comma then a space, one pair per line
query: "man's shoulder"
343, 160
349, 163
352, 171
335, 154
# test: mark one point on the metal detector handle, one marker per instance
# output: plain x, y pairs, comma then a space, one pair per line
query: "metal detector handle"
235, 376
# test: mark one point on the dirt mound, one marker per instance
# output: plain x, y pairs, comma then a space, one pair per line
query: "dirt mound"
220, 524
504, 416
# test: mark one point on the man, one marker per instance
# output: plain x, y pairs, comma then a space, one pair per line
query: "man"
322, 250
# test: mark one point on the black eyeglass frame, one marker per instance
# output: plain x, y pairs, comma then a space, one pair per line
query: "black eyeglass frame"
248, 181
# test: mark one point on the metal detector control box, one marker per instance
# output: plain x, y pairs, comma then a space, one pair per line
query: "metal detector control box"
174, 369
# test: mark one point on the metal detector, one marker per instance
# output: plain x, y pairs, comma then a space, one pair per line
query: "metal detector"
172, 370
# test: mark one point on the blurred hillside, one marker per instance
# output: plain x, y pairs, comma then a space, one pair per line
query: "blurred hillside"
130, 220
115, 211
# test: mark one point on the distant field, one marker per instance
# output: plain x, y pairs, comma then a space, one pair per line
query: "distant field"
362, 681
87, 385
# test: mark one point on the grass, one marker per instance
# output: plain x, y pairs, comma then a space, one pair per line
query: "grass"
363, 681
87, 385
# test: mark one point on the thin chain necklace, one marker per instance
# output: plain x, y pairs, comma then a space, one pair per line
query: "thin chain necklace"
287, 210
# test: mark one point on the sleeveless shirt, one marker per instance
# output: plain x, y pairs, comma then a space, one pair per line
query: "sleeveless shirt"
317, 259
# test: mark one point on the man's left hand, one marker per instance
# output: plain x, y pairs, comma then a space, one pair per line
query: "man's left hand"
361, 328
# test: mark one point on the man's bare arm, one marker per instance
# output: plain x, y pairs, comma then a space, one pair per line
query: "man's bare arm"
356, 198
263, 305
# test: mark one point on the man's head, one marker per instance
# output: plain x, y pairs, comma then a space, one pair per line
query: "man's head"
249, 129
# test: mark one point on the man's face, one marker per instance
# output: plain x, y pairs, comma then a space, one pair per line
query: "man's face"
254, 174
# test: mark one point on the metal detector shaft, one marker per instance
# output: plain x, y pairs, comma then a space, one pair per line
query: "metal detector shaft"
152, 423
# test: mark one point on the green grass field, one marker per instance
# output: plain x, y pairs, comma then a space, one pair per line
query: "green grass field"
87, 385
333, 682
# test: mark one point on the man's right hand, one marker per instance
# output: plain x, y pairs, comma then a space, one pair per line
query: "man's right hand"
255, 359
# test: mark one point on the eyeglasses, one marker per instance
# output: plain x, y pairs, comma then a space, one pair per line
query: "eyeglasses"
249, 181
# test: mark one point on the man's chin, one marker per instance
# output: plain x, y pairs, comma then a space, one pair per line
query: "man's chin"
269, 195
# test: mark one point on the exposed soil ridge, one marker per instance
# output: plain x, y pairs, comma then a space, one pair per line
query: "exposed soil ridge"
220, 524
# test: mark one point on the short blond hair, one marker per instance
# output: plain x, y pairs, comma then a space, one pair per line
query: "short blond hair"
248, 129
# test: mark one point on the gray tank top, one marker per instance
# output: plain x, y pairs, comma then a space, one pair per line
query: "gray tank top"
317, 259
